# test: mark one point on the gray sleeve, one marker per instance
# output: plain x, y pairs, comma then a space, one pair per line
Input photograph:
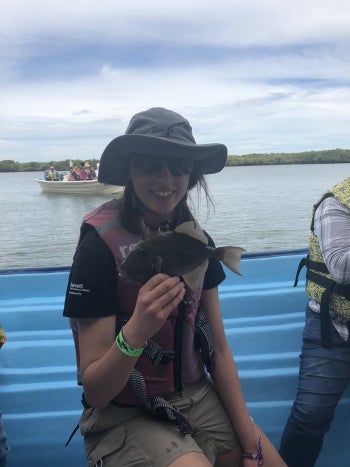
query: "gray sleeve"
332, 228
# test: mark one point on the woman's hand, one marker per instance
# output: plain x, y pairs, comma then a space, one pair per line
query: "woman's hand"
156, 300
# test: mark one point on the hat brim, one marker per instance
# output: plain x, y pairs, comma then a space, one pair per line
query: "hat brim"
114, 160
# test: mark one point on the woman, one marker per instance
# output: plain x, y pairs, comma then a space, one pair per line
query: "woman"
148, 399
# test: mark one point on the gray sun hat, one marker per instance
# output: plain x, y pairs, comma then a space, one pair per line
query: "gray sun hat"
158, 132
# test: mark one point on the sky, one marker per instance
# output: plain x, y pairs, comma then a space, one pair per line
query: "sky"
261, 76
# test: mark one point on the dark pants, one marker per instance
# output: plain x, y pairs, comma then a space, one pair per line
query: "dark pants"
324, 374
3, 445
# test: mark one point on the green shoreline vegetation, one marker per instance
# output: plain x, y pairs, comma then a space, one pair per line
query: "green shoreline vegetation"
330, 156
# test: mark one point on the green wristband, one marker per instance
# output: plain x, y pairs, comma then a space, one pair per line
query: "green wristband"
127, 349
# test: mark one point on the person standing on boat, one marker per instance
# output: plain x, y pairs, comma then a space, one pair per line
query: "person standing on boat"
324, 371
143, 349
4, 449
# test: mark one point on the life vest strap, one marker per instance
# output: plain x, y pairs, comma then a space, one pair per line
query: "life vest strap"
152, 349
157, 405
303, 262
343, 290
331, 287
86, 406
204, 340
310, 264
157, 354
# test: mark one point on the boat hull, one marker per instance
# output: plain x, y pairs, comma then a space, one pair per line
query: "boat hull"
79, 187
263, 316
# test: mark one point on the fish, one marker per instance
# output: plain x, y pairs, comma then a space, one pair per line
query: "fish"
182, 252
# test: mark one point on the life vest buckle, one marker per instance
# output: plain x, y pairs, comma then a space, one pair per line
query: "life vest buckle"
162, 357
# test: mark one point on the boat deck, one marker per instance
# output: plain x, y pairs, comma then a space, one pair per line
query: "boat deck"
39, 398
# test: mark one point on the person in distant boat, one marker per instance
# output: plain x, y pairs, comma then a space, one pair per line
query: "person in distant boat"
89, 170
4, 449
70, 177
83, 173
52, 175
160, 384
74, 174
324, 371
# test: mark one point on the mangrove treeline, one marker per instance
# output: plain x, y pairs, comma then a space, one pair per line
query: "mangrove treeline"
330, 156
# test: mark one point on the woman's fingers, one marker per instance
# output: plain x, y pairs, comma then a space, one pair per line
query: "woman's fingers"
157, 299
162, 290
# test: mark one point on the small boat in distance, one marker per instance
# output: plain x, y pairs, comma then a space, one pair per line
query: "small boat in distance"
81, 187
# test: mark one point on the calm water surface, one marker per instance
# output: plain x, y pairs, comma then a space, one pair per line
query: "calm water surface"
258, 208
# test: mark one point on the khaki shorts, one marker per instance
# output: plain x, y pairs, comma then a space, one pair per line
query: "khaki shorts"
131, 436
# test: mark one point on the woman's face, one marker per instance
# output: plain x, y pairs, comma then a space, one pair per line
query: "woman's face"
160, 184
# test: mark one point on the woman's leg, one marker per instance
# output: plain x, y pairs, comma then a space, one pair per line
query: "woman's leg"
191, 459
270, 453
231, 458
324, 374
271, 457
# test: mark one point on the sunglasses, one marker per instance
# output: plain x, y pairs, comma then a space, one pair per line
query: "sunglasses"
153, 165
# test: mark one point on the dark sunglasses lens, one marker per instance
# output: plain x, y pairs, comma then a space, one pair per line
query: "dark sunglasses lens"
179, 167
152, 165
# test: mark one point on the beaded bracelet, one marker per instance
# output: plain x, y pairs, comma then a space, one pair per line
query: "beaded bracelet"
126, 348
255, 457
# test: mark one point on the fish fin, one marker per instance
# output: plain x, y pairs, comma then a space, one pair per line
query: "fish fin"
193, 278
230, 256
188, 228
144, 230
147, 232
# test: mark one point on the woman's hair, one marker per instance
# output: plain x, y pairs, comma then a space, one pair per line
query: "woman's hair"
130, 213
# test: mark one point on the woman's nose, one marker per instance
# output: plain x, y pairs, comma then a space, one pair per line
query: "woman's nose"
164, 172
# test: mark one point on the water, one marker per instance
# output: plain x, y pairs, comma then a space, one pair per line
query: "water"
258, 208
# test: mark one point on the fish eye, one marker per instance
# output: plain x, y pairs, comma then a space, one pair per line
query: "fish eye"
141, 252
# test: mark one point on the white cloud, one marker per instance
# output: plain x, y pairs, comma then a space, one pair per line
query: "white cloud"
259, 76
217, 21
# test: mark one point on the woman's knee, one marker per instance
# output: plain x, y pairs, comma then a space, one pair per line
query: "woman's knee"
312, 419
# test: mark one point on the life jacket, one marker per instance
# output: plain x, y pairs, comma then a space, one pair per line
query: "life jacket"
184, 337
52, 175
320, 284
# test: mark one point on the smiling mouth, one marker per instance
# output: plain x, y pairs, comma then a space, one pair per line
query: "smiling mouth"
163, 194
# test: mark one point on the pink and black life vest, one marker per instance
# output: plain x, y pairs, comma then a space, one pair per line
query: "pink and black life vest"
176, 354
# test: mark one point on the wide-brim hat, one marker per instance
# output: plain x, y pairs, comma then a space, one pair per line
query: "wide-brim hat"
158, 132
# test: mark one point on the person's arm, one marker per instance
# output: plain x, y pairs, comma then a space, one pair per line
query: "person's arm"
332, 228
2, 336
226, 381
225, 376
105, 370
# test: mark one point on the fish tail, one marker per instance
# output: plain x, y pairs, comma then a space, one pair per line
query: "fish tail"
230, 256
